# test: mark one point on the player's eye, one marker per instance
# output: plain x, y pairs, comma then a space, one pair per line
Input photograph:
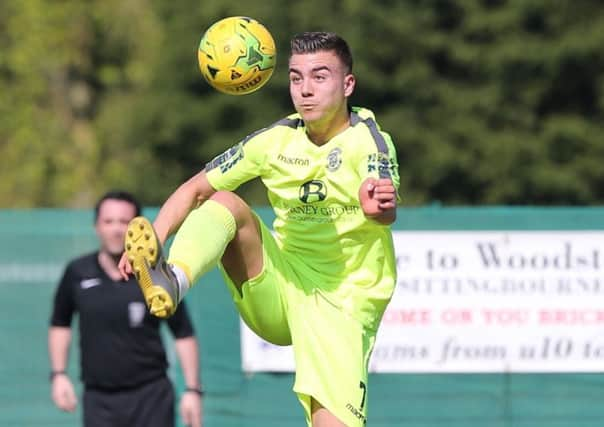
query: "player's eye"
294, 78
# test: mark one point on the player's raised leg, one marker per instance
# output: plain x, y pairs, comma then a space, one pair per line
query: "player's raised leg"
242, 257
222, 229
223, 225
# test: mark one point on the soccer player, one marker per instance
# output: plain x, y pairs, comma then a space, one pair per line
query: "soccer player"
323, 280
123, 362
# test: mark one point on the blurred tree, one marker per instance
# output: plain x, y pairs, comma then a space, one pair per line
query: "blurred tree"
483, 91
488, 101
61, 61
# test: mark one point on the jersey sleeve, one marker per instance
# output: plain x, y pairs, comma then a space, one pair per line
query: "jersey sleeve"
180, 323
381, 160
238, 164
64, 304
386, 164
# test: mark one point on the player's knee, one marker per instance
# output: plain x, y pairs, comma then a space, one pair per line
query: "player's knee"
238, 208
228, 200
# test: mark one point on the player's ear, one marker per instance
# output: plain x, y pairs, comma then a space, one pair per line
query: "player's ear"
349, 83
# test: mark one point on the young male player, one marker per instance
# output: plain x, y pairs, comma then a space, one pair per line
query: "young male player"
323, 280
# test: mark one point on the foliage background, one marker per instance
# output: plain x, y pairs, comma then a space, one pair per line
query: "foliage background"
488, 101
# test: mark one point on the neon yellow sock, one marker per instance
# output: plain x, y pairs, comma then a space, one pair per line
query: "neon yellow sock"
202, 238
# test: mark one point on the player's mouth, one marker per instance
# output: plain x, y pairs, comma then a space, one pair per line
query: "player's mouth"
308, 107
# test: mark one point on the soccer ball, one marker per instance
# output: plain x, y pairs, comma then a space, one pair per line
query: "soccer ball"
237, 55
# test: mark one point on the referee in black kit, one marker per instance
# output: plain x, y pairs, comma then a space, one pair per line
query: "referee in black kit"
123, 360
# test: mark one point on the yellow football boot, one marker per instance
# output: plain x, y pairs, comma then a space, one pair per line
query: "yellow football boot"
153, 274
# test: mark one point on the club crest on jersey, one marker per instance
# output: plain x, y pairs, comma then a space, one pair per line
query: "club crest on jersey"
228, 159
334, 159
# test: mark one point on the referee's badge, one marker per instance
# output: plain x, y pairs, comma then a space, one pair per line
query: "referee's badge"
136, 314
334, 159
90, 283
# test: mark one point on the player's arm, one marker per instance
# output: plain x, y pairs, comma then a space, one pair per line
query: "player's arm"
173, 212
378, 200
378, 192
175, 209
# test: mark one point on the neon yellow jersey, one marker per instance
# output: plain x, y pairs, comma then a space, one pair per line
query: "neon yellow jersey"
319, 224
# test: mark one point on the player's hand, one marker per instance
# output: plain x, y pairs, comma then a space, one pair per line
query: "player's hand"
63, 394
124, 267
190, 409
378, 199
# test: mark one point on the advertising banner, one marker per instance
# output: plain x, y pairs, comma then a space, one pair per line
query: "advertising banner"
483, 301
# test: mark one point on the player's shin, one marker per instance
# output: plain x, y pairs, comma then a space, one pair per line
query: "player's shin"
201, 240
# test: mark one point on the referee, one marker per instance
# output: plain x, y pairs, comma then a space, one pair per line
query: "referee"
123, 361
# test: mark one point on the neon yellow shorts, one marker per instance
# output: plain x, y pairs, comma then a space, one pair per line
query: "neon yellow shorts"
331, 349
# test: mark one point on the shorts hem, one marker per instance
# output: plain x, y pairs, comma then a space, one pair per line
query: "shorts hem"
344, 417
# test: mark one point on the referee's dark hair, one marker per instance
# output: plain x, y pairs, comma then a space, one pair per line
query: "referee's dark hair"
117, 195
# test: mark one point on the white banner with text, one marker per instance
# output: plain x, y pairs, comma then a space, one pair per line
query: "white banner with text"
483, 301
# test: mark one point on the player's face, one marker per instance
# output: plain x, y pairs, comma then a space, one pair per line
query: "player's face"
319, 86
113, 219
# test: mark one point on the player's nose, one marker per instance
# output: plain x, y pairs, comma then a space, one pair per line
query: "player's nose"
306, 88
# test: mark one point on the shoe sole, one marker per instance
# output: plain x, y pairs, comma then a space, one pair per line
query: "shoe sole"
144, 250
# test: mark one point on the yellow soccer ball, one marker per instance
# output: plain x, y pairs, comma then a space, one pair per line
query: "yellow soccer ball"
237, 55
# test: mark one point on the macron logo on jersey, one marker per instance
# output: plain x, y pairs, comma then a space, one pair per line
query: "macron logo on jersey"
293, 161
90, 283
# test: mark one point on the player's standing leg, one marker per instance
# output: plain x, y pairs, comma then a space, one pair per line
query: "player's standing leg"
321, 417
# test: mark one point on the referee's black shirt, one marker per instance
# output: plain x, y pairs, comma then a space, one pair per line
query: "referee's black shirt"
120, 343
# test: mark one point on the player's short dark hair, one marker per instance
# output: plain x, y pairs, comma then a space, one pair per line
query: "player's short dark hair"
117, 195
313, 41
